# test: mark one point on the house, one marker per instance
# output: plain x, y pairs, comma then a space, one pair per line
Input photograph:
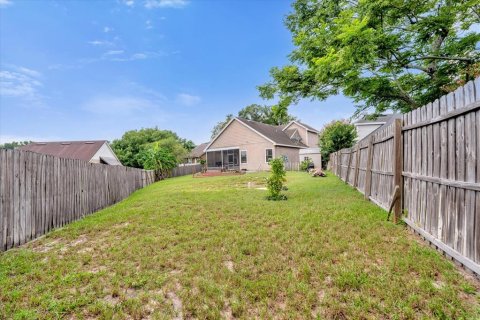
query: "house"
98, 151
197, 154
366, 126
249, 145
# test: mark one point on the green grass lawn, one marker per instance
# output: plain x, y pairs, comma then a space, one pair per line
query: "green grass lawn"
214, 248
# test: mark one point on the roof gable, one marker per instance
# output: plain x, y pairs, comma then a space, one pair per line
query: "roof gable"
81, 150
301, 124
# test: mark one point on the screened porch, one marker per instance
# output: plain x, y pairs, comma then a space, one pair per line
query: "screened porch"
228, 159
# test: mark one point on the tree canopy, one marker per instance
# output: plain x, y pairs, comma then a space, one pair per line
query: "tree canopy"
14, 144
134, 143
385, 54
274, 115
334, 136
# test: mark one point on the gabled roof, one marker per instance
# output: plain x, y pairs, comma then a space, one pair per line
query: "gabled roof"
198, 151
381, 119
81, 150
301, 124
274, 134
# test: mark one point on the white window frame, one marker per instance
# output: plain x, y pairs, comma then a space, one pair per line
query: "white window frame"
266, 161
246, 157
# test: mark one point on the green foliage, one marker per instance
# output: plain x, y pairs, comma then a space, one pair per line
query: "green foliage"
304, 165
133, 143
334, 136
14, 144
385, 54
274, 115
276, 180
158, 158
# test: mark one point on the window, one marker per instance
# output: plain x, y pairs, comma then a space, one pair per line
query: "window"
268, 155
306, 158
243, 156
285, 158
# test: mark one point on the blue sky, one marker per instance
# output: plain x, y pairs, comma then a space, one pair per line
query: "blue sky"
74, 70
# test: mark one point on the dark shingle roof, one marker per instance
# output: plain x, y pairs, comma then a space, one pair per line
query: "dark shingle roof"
308, 127
81, 150
198, 151
383, 118
274, 133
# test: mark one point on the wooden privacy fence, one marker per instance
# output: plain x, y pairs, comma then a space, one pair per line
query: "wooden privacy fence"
429, 160
40, 192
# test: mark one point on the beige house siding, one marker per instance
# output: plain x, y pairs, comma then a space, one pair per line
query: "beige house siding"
312, 140
238, 136
291, 153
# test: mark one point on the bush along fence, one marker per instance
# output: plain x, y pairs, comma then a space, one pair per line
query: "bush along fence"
40, 192
426, 165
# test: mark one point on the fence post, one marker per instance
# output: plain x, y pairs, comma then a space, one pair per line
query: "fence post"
398, 167
368, 172
339, 164
357, 160
347, 175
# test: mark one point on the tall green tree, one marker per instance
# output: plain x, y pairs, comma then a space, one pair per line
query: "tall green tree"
274, 115
134, 142
334, 136
385, 54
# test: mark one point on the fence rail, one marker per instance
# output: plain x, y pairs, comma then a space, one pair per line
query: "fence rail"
430, 162
40, 192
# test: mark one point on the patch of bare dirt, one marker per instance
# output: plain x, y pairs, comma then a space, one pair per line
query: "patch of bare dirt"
111, 300
229, 265
177, 303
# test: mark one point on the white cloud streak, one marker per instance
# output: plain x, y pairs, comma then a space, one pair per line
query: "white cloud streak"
100, 43
188, 99
21, 83
118, 105
152, 4
5, 3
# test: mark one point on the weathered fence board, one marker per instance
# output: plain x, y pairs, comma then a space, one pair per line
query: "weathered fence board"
440, 171
40, 192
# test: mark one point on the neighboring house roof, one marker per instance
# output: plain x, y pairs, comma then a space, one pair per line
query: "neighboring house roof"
301, 124
274, 134
198, 151
81, 150
381, 119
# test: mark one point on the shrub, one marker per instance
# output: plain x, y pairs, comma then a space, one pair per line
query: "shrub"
304, 165
276, 180
334, 136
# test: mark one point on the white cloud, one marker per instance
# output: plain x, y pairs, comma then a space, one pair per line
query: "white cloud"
29, 72
129, 3
113, 52
107, 29
100, 43
20, 84
139, 56
5, 3
152, 4
148, 25
118, 105
188, 99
